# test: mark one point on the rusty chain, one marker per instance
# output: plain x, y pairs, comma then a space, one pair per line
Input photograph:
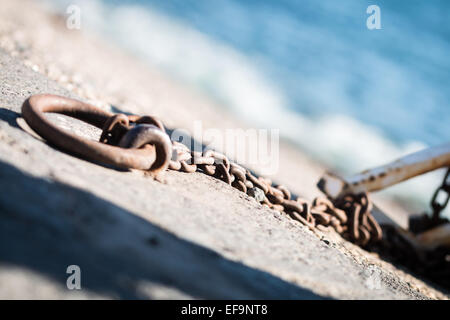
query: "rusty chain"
444, 187
427, 221
142, 143
349, 216
431, 262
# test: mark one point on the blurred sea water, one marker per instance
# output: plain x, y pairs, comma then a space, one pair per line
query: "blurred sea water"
351, 97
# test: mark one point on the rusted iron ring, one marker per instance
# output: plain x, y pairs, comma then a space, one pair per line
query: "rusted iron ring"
143, 145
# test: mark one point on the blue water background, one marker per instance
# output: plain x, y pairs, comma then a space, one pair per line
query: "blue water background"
350, 97
325, 60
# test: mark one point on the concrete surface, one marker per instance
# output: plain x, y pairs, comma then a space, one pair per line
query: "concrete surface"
193, 237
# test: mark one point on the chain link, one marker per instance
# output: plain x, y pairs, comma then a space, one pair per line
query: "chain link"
445, 188
349, 216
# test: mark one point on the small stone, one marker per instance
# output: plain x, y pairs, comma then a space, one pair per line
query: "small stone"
256, 193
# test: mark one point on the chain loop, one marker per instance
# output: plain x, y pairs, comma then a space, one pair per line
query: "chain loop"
148, 147
444, 187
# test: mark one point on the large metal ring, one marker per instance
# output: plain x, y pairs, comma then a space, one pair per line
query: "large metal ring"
152, 153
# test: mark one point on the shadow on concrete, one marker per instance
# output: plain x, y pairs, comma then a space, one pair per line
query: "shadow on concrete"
45, 226
12, 118
9, 117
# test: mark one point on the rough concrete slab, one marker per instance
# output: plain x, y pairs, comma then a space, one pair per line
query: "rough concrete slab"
193, 237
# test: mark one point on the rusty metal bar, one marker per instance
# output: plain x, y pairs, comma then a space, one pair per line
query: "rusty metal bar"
387, 175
